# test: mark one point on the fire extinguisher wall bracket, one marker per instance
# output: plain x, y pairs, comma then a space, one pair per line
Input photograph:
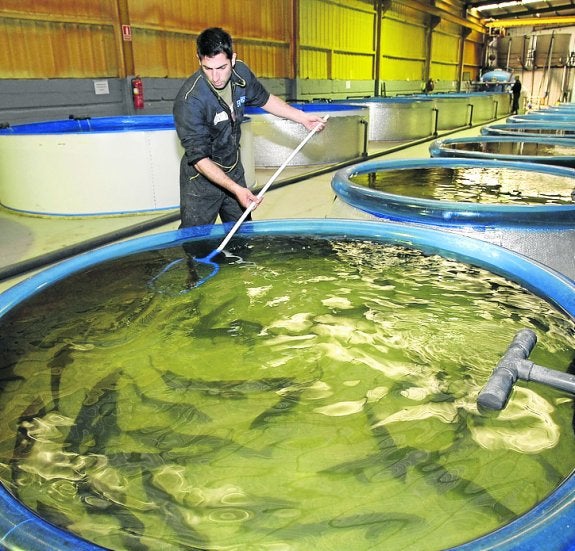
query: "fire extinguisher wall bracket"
138, 93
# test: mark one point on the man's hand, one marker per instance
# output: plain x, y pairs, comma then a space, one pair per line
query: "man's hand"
245, 197
311, 121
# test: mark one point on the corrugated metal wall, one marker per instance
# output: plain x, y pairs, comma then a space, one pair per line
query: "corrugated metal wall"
59, 39
403, 43
336, 39
445, 47
473, 56
164, 34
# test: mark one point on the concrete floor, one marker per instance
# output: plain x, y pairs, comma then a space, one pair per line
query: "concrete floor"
25, 238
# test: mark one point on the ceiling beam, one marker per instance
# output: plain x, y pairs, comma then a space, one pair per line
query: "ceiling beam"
526, 13
532, 21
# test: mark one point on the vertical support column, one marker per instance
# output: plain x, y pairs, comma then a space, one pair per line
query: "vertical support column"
548, 69
465, 32
508, 61
125, 25
434, 20
380, 7
293, 83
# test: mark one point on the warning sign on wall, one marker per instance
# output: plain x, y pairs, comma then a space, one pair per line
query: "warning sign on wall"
127, 32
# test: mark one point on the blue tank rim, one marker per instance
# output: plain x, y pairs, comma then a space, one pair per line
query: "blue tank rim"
522, 129
93, 125
451, 213
440, 148
317, 107
22, 528
386, 99
542, 117
96, 125
457, 95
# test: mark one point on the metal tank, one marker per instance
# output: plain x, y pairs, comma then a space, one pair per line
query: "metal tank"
398, 118
452, 110
342, 139
457, 109
488, 106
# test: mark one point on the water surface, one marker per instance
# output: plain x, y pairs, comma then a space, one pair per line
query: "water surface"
478, 185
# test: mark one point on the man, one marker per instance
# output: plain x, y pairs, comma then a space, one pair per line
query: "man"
208, 112
515, 92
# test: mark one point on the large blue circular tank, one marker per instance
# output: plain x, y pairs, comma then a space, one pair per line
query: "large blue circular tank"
541, 230
508, 148
547, 525
531, 129
544, 116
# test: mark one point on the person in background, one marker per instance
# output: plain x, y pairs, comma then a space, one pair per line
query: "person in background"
429, 86
515, 93
208, 112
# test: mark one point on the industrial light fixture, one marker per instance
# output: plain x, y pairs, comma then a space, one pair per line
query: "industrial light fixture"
499, 5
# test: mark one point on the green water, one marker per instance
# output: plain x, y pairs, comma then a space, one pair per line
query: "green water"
475, 185
311, 395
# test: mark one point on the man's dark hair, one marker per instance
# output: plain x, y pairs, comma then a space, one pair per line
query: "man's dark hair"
214, 41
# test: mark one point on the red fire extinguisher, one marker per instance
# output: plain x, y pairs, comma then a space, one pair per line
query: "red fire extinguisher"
138, 93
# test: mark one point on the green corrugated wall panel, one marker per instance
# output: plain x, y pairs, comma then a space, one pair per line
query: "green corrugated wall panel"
445, 47
399, 39
441, 71
261, 30
352, 67
338, 25
401, 69
343, 31
314, 62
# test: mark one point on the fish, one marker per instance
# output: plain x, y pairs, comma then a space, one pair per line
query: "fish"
61, 359
182, 412
375, 526
397, 462
377, 523
225, 389
285, 404
192, 446
243, 330
96, 421
131, 527
53, 515
173, 516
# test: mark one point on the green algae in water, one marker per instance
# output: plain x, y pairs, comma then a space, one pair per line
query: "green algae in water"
477, 185
313, 394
